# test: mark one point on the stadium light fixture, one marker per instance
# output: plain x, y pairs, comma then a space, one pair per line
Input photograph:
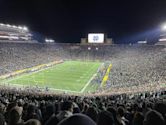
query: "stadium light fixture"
19, 27
8, 25
14, 26
25, 28
49, 41
164, 27
46, 40
1, 24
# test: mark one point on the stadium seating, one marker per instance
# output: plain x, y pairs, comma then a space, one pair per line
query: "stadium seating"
32, 108
132, 65
135, 67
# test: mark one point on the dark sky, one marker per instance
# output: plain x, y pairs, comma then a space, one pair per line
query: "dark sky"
69, 20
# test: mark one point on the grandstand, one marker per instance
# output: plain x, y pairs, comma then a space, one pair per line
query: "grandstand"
57, 84
133, 66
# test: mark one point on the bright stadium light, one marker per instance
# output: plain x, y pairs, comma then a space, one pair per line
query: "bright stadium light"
19, 27
164, 27
89, 48
25, 28
1, 24
8, 25
49, 40
46, 40
14, 26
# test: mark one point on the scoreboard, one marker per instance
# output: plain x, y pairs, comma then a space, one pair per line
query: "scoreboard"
95, 38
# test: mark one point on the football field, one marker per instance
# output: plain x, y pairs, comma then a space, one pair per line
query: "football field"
69, 76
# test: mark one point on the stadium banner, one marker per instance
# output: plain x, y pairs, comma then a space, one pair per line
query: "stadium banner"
106, 76
33, 69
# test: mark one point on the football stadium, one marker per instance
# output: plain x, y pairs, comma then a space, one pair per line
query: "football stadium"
82, 63
96, 67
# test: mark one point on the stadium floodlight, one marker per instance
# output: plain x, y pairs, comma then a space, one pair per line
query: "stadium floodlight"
89, 48
8, 25
25, 28
19, 27
49, 40
164, 27
14, 26
1, 24
46, 40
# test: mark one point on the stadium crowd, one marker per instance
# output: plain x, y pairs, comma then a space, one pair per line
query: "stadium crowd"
134, 68
133, 65
26, 108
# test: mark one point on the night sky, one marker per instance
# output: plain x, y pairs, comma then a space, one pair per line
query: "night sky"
70, 20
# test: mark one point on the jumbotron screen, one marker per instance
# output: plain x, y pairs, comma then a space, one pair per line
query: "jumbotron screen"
95, 38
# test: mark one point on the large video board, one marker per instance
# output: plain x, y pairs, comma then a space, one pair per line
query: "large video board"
95, 38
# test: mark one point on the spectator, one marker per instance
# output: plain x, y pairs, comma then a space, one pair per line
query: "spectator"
32, 122
121, 114
15, 116
154, 118
2, 120
105, 118
138, 119
77, 119
92, 113
67, 110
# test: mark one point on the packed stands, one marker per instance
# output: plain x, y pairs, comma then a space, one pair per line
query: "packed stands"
135, 68
30, 108
133, 65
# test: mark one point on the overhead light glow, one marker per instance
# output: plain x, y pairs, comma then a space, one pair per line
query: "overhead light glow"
25, 28
1, 24
8, 25
14, 26
49, 40
19, 27
164, 27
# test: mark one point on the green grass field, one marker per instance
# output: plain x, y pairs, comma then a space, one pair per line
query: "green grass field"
70, 76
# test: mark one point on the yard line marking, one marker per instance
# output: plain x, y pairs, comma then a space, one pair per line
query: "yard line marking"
91, 79
87, 83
